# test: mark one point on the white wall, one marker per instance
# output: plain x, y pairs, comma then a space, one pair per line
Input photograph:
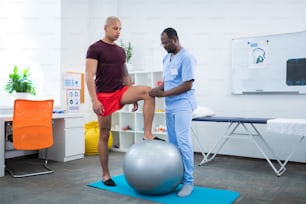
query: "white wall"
30, 37
74, 41
206, 29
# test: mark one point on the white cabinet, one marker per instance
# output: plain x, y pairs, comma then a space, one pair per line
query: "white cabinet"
128, 126
69, 140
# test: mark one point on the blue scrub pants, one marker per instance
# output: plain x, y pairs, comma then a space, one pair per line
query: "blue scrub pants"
179, 134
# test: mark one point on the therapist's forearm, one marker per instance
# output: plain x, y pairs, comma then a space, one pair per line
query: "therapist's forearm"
184, 87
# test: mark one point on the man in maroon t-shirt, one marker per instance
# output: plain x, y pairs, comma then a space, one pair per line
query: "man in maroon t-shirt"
110, 88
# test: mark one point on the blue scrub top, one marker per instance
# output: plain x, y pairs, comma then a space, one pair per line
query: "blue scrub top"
181, 68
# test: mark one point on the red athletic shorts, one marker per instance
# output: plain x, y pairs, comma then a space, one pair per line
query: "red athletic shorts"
111, 101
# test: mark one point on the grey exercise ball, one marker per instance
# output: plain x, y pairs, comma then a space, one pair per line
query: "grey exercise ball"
153, 167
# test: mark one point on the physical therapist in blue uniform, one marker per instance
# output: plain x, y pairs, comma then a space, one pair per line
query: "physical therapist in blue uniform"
177, 88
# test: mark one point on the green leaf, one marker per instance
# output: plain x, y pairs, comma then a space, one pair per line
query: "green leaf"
128, 50
20, 81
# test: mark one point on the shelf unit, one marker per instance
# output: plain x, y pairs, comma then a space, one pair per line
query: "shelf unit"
123, 137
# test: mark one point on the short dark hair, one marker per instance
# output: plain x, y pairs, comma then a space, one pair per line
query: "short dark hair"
171, 33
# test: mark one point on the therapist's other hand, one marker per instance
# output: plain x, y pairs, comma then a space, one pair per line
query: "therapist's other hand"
156, 92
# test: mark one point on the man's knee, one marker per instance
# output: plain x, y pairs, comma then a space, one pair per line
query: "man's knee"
146, 91
104, 133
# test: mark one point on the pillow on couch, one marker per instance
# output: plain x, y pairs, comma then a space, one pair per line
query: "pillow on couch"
202, 111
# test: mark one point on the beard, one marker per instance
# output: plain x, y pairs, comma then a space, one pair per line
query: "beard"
171, 51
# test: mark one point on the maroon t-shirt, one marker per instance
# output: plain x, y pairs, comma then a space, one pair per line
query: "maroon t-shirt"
111, 62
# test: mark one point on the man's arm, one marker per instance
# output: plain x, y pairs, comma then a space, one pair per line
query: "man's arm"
127, 78
90, 73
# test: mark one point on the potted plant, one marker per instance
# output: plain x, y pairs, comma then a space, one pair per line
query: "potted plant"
20, 82
128, 51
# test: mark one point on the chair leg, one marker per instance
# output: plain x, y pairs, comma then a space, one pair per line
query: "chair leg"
45, 165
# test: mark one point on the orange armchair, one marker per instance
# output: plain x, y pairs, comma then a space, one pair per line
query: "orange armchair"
32, 129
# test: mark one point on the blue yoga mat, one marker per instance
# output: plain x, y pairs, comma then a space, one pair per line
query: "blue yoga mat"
200, 195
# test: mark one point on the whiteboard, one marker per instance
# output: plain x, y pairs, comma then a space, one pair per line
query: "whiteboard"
269, 64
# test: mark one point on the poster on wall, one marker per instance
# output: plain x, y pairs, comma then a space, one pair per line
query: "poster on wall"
75, 80
72, 81
73, 100
258, 56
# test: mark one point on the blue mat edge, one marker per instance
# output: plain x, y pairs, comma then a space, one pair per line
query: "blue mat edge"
128, 191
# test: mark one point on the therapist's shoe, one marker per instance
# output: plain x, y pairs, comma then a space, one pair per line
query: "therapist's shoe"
186, 190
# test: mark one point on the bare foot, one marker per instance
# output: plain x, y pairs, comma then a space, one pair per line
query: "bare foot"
148, 137
144, 138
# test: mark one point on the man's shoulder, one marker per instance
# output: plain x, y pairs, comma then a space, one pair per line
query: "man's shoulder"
186, 53
96, 44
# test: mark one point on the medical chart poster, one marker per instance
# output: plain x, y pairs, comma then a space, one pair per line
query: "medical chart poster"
72, 81
73, 100
75, 80
258, 54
